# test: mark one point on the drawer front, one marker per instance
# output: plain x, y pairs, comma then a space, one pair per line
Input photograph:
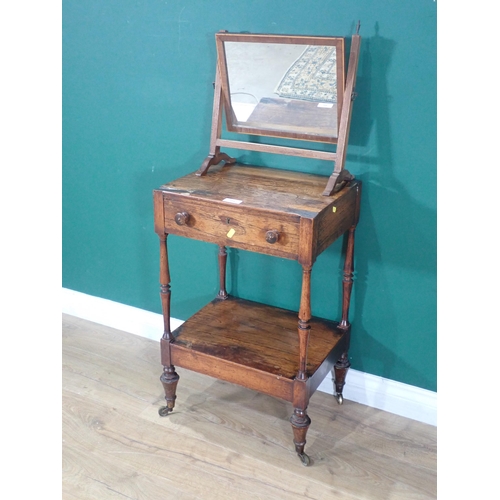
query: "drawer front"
232, 225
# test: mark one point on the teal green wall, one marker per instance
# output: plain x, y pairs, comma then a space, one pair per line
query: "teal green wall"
137, 99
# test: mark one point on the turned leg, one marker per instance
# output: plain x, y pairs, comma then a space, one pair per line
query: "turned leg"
300, 423
165, 288
339, 373
300, 420
347, 280
222, 273
304, 327
169, 377
342, 366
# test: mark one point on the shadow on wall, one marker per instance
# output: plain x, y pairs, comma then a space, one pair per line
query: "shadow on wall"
387, 208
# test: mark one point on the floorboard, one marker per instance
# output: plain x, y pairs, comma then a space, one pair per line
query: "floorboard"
222, 441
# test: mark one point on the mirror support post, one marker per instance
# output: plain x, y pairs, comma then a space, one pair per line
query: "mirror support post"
340, 176
215, 156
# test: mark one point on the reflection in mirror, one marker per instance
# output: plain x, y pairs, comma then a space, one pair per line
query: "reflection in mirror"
284, 89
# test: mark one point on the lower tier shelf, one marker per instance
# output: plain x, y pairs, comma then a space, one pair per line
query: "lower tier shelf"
255, 345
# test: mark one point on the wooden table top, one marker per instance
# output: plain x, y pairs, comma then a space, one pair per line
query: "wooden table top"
258, 187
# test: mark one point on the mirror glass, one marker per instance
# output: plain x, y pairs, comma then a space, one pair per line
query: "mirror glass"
283, 86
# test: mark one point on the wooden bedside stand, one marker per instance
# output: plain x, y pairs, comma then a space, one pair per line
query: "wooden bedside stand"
294, 215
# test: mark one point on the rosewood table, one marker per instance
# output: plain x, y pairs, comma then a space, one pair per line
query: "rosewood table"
278, 352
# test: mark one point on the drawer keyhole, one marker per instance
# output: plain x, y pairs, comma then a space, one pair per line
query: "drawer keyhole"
228, 220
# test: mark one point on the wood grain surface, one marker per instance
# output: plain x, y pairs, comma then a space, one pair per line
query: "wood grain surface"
256, 335
254, 345
271, 189
226, 224
237, 205
222, 441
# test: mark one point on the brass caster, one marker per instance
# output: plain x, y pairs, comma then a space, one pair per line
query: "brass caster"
339, 398
164, 411
304, 458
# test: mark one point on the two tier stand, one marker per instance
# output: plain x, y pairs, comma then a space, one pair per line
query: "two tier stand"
287, 214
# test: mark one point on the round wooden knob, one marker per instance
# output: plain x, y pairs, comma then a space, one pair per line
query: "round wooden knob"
181, 218
272, 236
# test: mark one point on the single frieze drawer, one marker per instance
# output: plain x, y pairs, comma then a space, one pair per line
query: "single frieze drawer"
232, 225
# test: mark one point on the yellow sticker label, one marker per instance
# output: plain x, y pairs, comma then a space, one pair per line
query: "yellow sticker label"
230, 233
334, 209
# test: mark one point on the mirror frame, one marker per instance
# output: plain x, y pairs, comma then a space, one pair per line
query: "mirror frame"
233, 125
339, 176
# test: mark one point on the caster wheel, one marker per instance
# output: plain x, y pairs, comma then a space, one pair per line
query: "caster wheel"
164, 411
304, 458
339, 398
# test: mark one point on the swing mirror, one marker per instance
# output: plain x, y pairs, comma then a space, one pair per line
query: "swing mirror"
282, 86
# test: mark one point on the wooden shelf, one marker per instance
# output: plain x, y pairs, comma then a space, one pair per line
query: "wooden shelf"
237, 340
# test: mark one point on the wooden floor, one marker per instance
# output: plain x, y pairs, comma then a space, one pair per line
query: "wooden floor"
222, 441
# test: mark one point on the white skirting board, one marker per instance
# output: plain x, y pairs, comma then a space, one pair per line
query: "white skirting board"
388, 395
